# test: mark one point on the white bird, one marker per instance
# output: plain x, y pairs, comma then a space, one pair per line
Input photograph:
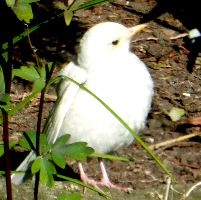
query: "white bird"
106, 67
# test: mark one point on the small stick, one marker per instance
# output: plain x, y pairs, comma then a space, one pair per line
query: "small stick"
161, 144
190, 190
168, 188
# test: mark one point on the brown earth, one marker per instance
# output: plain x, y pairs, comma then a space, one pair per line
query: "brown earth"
166, 54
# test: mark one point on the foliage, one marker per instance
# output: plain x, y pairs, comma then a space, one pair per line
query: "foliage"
5, 102
2, 85
38, 76
53, 154
22, 9
11, 144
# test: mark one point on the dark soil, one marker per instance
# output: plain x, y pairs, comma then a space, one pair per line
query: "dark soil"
165, 52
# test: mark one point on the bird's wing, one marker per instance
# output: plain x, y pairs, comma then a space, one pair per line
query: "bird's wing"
17, 178
66, 94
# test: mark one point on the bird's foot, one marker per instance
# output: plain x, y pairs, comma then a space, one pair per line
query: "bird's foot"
107, 183
104, 182
85, 179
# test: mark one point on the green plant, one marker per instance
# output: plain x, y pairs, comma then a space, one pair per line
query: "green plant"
52, 153
22, 9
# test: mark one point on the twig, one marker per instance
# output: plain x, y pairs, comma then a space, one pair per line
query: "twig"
120, 4
168, 188
190, 190
179, 36
159, 195
154, 38
168, 142
32, 48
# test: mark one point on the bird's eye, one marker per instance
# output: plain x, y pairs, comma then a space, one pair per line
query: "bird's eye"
115, 42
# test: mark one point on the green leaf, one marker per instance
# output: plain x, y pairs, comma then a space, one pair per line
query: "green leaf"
27, 73
46, 168
49, 66
5, 98
46, 172
10, 2
5, 56
1, 150
68, 15
38, 85
46, 148
60, 142
48, 156
42, 141
59, 159
175, 114
35, 167
2, 82
11, 144
75, 4
5, 102
23, 11
77, 150
72, 196
28, 140
57, 151
60, 5
43, 72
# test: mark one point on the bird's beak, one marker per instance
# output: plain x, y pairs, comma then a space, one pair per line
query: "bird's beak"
135, 29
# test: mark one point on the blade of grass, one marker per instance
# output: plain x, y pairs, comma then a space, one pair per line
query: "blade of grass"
125, 125
111, 157
20, 105
83, 184
25, 101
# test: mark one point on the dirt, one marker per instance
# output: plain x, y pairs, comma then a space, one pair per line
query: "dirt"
166, 54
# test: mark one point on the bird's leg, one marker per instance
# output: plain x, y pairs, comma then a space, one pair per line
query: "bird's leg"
105, 181
85, 179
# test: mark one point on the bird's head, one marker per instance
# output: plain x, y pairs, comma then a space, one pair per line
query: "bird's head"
105, 39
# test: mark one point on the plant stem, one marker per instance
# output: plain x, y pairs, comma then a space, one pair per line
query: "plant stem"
7, 71
39, 123
33, 49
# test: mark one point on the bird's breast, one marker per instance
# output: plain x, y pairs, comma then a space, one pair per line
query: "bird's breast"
124, 87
